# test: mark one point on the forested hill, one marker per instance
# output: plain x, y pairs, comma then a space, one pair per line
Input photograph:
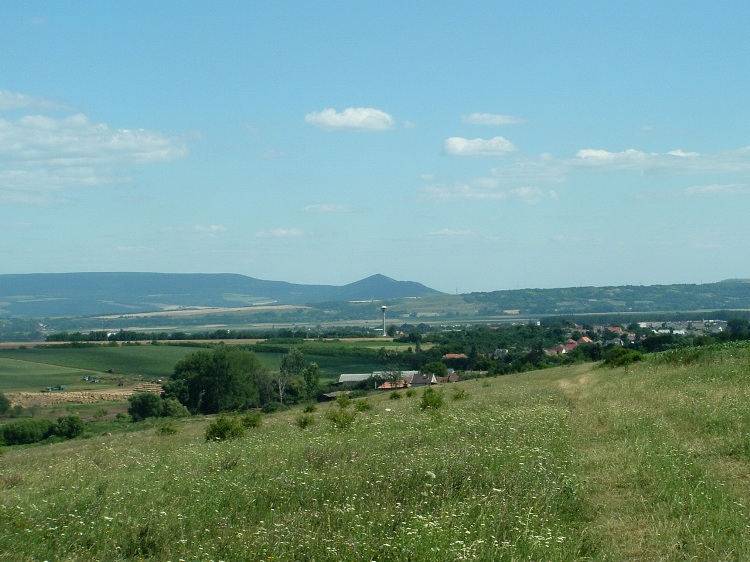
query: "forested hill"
85, 294
730, 294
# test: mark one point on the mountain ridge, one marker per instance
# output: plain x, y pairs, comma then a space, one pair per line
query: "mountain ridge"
87, 294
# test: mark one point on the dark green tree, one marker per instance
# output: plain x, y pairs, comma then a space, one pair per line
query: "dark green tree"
4, 404
437, 368
222, 380
311, 374
144, 405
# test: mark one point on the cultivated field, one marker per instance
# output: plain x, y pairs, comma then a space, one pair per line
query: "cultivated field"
649, 462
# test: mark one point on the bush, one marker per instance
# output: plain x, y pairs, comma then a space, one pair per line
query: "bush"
341, 418
172, 408
169, 427
362, 405
224, 429
23, 432
620, 356
310, 408
343, 401
69, 427
252, 418
144, 405
431, 399
394, 395
410, 392
272, 407
459, 393
304, 420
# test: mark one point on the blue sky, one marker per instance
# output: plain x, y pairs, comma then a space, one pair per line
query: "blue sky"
470, 146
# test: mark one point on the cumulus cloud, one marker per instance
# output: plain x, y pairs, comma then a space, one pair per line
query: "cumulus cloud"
41, 154
496, 146
491, 119
351, 119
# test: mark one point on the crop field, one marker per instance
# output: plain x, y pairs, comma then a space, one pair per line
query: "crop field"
150, 361
645, 462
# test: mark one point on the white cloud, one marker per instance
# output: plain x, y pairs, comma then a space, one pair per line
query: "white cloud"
491, 119
13, 101
327, 208
717, 189
452, 232
209, 231
352, 119
41, 154
479, 191
281, 233
496, 146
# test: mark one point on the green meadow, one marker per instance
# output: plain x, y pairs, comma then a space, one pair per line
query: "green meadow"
645, 462
34, 368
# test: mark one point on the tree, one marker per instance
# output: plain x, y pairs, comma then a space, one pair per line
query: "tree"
222, 380
69, 427
311, 374
4, 404
292, 366
144, 405
437, 368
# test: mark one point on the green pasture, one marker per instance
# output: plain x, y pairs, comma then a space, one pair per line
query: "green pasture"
19, 375
34, 368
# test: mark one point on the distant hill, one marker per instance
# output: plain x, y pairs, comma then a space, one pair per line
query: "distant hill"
85, 294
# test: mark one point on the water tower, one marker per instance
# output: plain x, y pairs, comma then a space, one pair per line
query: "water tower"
382, 308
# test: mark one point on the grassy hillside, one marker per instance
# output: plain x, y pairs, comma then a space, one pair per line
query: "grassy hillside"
579, 463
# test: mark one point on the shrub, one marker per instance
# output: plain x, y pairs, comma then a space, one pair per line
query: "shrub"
304, 420
69, 427
310, 408
272, 407
459, 393
144, 405
169, 427
621, 356
23, 432
172, 408
394, 395
341, 418
431, 399
252, 418
343, 401
224, 429
410, 392
16, 411
362, 405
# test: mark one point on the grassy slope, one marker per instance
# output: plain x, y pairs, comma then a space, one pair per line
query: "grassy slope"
577, 463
